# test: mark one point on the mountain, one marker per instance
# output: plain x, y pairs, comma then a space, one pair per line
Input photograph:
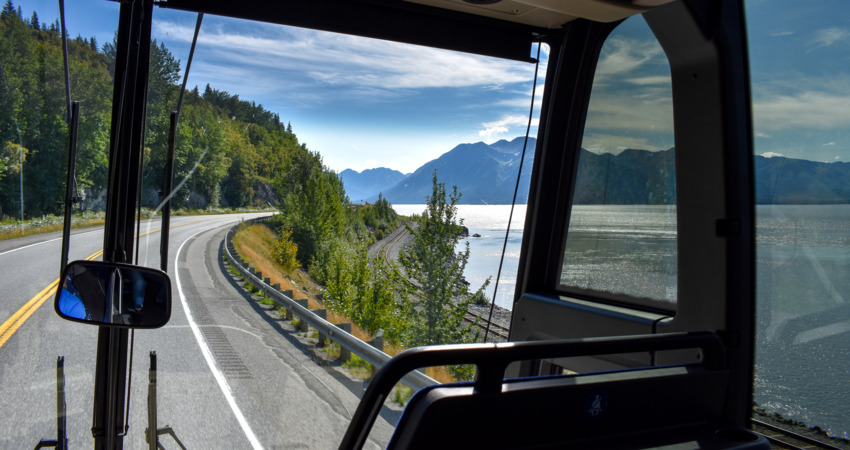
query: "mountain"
631, 177
782, 180
486, 174
364, 185
483, 174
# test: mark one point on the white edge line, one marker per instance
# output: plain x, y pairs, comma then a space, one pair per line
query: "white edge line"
205, 350
44, 242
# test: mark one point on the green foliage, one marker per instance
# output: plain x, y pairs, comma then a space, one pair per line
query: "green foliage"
33, 111
285, 251
366, 292
402, 394
480, 299
11, 157
356, 362
312, 204
435, 274
379, 218
462, 372
228, 150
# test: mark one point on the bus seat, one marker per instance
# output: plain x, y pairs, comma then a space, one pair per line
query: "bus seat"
677, 406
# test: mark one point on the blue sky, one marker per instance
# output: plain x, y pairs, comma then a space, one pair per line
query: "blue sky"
366, 103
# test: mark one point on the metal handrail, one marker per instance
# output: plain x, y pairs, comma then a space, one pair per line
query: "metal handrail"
415, 379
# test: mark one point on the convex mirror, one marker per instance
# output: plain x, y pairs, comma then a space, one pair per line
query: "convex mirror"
114, 294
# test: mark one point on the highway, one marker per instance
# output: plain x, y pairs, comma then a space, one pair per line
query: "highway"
231, 373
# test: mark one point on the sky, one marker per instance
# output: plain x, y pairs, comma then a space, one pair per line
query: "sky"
365, 103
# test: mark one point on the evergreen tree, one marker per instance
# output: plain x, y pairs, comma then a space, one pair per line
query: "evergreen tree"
434, 274
8, 10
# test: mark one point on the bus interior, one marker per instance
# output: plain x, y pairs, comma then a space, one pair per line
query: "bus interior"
654, 347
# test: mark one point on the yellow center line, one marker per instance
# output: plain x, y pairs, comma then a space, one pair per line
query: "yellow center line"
10, 326
17, 320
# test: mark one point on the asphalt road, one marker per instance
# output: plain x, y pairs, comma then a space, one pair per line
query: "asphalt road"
231, 373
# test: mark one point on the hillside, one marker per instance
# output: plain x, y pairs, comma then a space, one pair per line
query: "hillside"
360, 186
796, 181
486, 174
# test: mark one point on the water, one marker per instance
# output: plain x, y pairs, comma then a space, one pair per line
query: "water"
490, 222
803, 316
803, 286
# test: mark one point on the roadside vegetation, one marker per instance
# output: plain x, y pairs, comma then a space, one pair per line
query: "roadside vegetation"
420, 301
11, 228
232, 153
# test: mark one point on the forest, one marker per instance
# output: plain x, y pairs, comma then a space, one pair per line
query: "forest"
238, 153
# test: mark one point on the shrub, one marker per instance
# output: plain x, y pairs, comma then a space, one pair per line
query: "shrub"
285, 251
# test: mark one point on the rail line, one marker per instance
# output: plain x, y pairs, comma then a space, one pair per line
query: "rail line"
498, 332
781, 437
384, 252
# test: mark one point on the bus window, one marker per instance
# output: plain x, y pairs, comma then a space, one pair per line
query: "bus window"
800, 92
621, 240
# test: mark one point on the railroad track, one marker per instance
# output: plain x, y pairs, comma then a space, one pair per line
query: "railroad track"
787, 439
387, 246
498, 332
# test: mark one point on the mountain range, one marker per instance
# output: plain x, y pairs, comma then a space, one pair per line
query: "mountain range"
486, 174
365, 186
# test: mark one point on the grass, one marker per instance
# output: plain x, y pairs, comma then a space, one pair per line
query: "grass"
440, 373
358, 367
47, 224
254, 243
401, 394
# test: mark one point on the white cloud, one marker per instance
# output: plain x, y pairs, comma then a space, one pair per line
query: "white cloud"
626, 55
829, 144
657, 79
777, 110
771, 154
347, 60
608, 143
762, 135
830, 36
837, 158
781, 33
651, 110
493, 132
495, 129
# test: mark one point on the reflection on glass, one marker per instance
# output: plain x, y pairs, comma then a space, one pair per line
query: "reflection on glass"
114, 294
622, 236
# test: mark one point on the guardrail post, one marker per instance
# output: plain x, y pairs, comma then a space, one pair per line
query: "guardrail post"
303, 323
344, 353
288, 294
378, 341
267, 280
323, 313
276, 286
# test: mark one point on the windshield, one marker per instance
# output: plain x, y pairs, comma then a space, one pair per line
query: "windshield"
371, 182
340, 142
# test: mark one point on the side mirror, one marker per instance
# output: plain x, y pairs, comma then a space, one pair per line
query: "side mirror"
114, 294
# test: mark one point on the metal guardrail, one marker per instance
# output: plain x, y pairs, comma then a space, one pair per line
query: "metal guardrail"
415, 379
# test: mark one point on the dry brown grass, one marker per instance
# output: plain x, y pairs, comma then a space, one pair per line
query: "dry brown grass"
439, 373
254, 243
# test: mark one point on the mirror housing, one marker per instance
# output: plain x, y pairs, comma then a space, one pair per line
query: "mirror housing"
114, 295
